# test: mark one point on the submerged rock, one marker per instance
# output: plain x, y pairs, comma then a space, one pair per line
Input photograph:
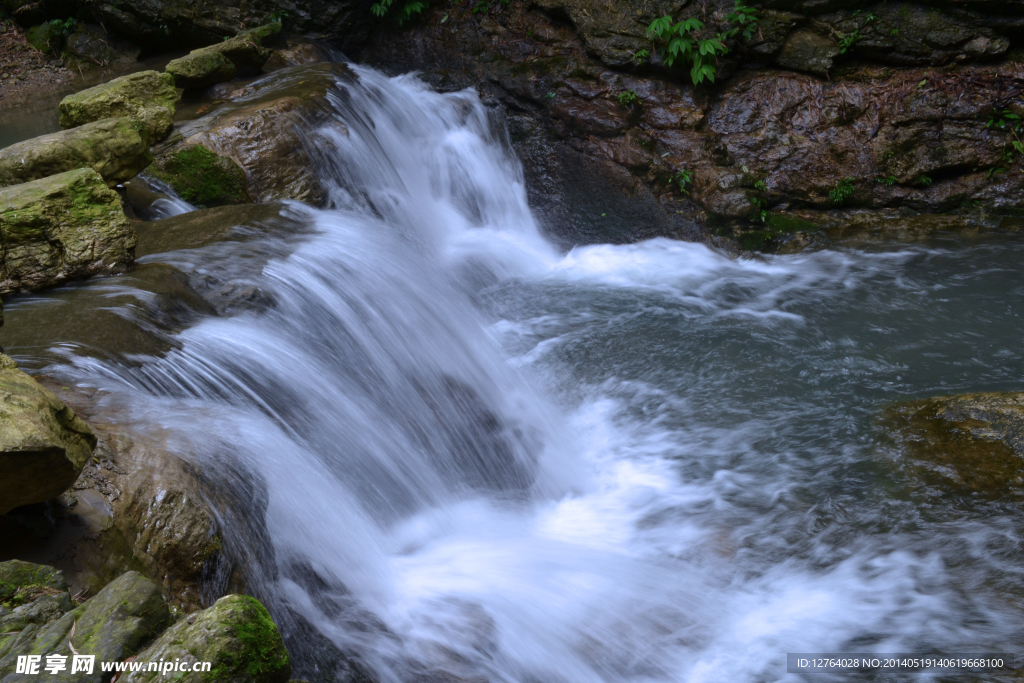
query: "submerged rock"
198, 228
969, 444
111, 147
236, 635
148, 97
60, 228
43, 444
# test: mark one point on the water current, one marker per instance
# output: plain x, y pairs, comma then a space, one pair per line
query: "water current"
444, 446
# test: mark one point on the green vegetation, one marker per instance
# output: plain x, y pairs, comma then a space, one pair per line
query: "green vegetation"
888, 180
629, 98
1004, 119
925, 180
842, 191
408, 10
683, 179
688, 41
847, 40
262, 654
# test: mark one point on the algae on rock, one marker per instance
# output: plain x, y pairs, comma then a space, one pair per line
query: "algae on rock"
201, 177
111, 147
236, 635
60, 228
148, 97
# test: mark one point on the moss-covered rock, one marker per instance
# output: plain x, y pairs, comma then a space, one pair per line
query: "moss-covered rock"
115, 624
111, 147
148, 97
201, 177
43, 444
201, 69
60, 228
46, 37
236, 635
244, 51
967, 444
31, 595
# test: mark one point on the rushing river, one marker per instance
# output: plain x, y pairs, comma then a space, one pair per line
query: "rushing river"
446, 447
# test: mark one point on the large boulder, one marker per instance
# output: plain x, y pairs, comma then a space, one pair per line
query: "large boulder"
236, 635
148, 97
114, 625
244, 54
111, 147
60, 228
967, 444
43, 444
261, 132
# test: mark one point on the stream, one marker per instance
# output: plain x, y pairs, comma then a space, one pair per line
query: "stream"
439, 445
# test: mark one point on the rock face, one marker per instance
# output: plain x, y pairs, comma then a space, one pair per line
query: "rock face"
969, 444
169, 23
111, 147
89, 48
236, 635
147, 97
760, 140
43, 444
60, 228
260, 135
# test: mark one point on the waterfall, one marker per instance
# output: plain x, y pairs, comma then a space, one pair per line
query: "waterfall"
443, 449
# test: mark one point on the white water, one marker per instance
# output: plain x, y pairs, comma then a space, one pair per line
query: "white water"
449, 448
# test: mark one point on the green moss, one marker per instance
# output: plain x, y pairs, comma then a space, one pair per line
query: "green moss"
202, 177
261, 651
788, 223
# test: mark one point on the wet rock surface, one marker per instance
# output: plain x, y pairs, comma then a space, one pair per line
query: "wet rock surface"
971, 444
63, 227
147, 97
43, 444
760, 141
111, 147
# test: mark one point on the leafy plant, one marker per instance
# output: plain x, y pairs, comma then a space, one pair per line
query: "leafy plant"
761, 185
629, 98
689, 42
64, 27
842, 191
847, 40
278, 16
641, 55
409, 9
888, 180
925, 180
683, 179
1006, 120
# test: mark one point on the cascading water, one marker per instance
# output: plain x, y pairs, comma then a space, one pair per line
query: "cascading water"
446, 448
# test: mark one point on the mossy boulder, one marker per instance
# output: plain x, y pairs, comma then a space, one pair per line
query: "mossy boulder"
148, 97
114, 625
47, 37
43, 444
111, 147
244, 51
967, 444
201, 177
266, 34
62, 227
236, 635
201, 69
